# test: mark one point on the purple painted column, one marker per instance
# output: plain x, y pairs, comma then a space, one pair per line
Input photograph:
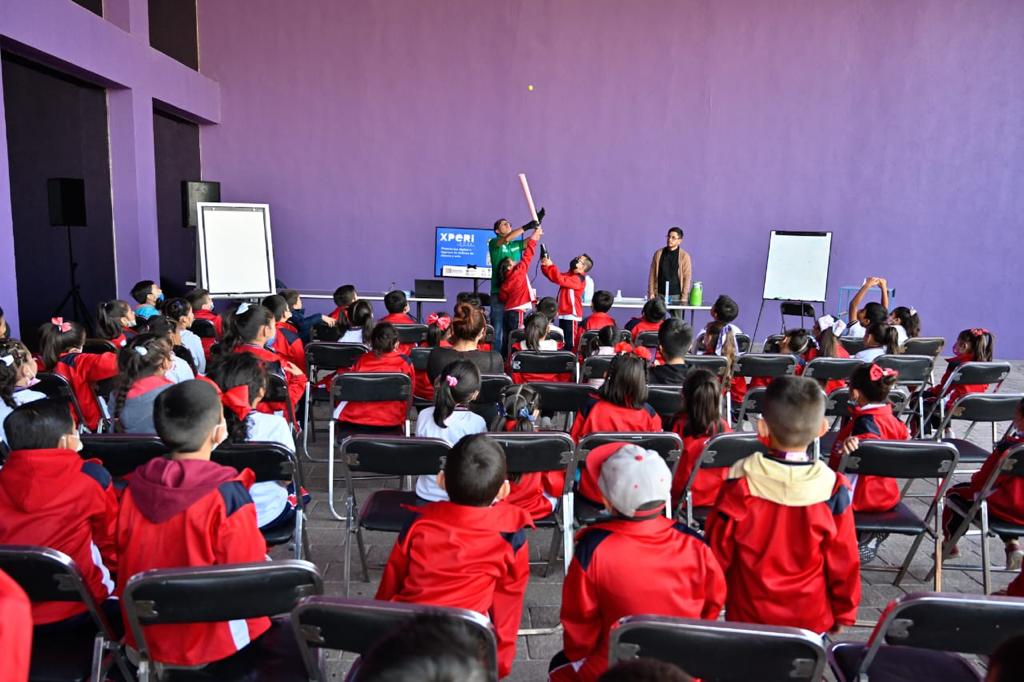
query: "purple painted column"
8, 277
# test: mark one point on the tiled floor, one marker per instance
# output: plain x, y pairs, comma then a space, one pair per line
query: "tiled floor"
544, 594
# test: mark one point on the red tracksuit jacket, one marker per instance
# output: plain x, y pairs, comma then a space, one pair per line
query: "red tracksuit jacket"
643, 325
570, 290
602, 416
958, 391
82, 370
288, 345
835, 384
527, 377
54, 498
626, 566
465, 557
528, 492
378, 413
587, 484
871, 422
296, 382
1007, 498
400, 318
15, 628
709, 481
218, 328
783, 533
189, 513
515, 288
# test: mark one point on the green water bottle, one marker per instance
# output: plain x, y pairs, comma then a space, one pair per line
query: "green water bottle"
697, 294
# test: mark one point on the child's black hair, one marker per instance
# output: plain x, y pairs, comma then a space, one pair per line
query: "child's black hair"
185, 414
466, 377
885, 336
395, 302
702, 404
602, 301
344, 295
606, 336
383, 338
177, 309
108, 318
729, 348
291, 297
197, 297
430, 646
277, 306
142, 290
143, 356
243, 328
874, 391
981, 343
535, 330
161, 325
549, 306
474, 471
505, 265
674, 337
724, 309
797, 341
626, 381
875, 313
908, 319
9, 373
654, 310
435, 334
520, 404
360, 316
239, 369
470, 297
794, 408
55, 342
644, 670
38, 425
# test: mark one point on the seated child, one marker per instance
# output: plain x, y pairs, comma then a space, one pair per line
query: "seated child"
782, 527
724, 310
357, 324
602, 345
571, 286
870, 418
599, 318
51, 497
438, 325
61, 345
184, 510
879, 339
115, 322
202, 306
17, 376
147, 294
720, 339
302, 322
827, 331
179, 311
248, 329
669, 569
651, 317
536, 492
972, 345
515, 290
286, 341
143, 366
16, 632
536, 330
699, 419
397, 305
377, 416
906, 321
471, 552
344, 297
548, 307
872, 313
182, 363
674, 338
450, 417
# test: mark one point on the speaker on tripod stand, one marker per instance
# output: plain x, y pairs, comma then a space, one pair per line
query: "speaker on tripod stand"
66, 198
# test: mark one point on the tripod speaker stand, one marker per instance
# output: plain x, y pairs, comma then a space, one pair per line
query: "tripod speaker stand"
66, 198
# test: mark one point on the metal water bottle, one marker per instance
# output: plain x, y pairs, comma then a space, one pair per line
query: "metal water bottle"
697, 294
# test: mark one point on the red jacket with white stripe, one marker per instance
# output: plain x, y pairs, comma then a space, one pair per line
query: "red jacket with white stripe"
871, 422
176, 514
296, 382
465, 557
378, 412
709, 481
54, 498
82, 370
515, 288
626, 566
570, 290
783, 533
288, 345
961, 390
401, 318
1007, 498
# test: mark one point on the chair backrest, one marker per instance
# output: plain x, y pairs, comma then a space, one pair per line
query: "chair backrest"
216, 593
743, 343
420, 357
356, 625
519, 334
595, 367
913, 369
725, 652
901, 459
726, 449
411, 333
667, 400
772, 342
44, 573
371, 387
925, 345
765, 365
98, 346
666, 443
985, 407
557, 396
277, 392
837, 403
1010, 463
56, 387
545, 362
713, 363
797, 309
122, 453
329, 355
393, 455
831, 369
268, 461
647, 340
852, 344
539, 451
204, 329
753, 400
588, 335
492, 387
980, 373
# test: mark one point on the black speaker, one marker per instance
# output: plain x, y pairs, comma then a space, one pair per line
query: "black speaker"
192, 192
66, 197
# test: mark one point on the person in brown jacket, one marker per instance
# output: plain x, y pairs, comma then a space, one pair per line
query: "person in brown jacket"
670, 265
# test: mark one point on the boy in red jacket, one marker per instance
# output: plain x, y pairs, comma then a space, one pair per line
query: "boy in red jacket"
185, 510
397, 306
51, 497
599, 319
782, 527
680, 575
469, 552
571, 285
515, 292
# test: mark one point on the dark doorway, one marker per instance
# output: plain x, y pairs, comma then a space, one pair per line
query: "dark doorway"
176, 144
173, 30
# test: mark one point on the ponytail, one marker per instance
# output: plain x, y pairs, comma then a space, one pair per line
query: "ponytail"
875, 390
626, 382
797, 341
981, 343
108, 319
520, 406
827, 344
437, 328
456, 385
177, 309
536, 330
908, 319
57, 337
885, 336
141, 357
360, 316
468, 322
242, 325
702, 401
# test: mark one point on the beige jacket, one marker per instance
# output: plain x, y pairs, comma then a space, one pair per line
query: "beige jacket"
685, 274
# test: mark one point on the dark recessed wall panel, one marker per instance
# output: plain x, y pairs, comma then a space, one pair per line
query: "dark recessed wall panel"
56, 127
94, 6
172, 30
177, 159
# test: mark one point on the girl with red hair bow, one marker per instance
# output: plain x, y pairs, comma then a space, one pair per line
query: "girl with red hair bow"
972, 345
61, 344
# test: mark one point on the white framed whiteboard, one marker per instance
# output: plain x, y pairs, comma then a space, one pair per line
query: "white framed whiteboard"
236, 253
797, 268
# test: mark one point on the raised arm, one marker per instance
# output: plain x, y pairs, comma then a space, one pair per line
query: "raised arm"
859, 296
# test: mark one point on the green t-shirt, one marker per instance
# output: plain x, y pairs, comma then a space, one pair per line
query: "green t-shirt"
512, 249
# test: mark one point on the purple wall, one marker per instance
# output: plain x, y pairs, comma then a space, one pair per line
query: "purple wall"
899, 126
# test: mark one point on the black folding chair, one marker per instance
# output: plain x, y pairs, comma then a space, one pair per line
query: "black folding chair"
204, 329
322, 356
99, 346
967, 374
852, 344
492, 388
904, 460
1011, 463
82, 653
648, 340
667, 401
56, 387
991, 408
212, 594
561, 397
545, 362
917, 634
383, 510
420, 357
272, 462
122, 453
277, 392
915, 371
411, 333
724, 652
925, 345
590, 334
356, 625
743, 343
595, 367
760, 366
824, 370
719, 452
543, 452
668, 444
518, 335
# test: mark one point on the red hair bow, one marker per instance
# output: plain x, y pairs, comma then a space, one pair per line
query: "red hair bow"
623, 347
978, 331
877, 373
442, 321
60, 324
639, 351
237, 400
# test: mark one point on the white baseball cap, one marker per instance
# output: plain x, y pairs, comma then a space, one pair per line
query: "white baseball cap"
633, 477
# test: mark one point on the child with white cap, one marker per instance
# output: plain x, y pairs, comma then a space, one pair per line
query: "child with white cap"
639, 561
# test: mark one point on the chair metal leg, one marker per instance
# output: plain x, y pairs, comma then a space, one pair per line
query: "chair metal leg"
556, 540
349, 503
568, 513
362, 554
305, 423
986, 568
330, 472
906, 562
97, 657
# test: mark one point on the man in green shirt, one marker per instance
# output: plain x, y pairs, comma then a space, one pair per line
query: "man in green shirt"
507, 243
